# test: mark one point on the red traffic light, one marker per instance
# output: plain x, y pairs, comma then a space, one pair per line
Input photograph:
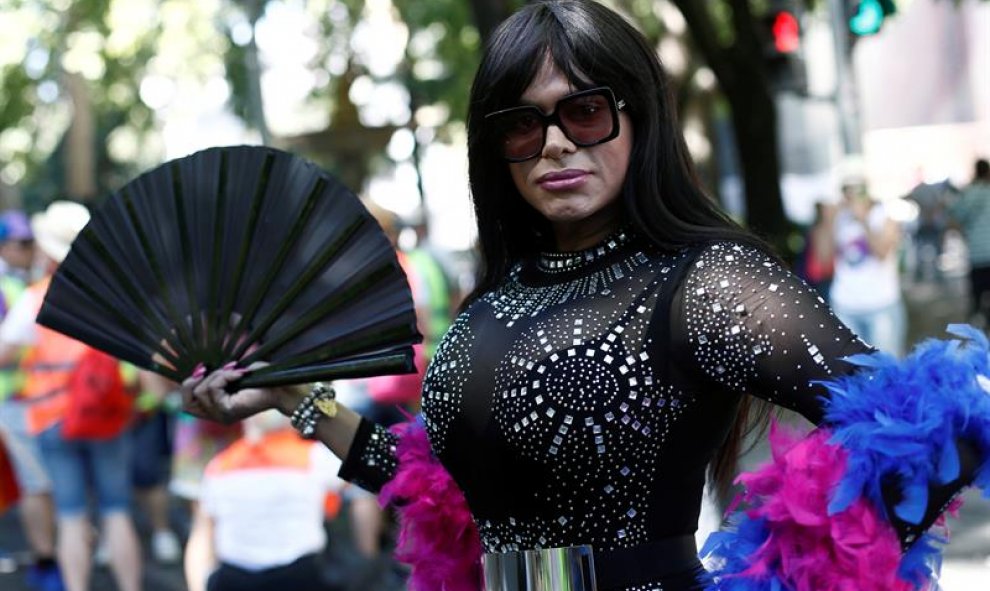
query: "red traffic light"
786, 32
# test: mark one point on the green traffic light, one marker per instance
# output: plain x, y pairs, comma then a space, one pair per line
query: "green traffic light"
868, 18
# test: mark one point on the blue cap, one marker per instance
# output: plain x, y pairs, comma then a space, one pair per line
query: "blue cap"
14, 225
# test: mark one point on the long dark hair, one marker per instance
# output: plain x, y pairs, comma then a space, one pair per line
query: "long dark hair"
662, 195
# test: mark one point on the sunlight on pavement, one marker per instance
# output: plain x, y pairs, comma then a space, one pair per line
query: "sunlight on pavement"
960, 575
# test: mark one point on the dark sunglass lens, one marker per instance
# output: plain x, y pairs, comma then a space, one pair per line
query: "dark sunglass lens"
521, 133
587, 118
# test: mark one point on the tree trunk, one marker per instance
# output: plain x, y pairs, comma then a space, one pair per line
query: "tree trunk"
488, 14
754, 121
80, 142
742, 76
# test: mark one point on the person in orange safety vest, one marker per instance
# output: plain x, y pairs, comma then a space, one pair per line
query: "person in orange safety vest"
263, 503
48, 360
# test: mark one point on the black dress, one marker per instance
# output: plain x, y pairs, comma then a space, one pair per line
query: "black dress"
581, 401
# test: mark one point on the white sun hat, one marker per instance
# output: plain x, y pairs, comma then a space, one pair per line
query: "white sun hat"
56, 227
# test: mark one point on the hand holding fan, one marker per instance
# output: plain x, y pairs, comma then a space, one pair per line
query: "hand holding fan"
237, 254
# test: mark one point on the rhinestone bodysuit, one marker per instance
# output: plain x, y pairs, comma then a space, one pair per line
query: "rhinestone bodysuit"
580, 401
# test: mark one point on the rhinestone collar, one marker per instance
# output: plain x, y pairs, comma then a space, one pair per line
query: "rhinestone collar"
559, 262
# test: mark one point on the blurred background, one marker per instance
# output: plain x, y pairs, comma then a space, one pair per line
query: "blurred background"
780, 99
782, 103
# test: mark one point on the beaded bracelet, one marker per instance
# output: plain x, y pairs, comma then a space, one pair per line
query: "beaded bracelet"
319, 402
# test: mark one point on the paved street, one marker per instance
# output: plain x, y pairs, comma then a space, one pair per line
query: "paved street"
12, 548
932, 306
344, 569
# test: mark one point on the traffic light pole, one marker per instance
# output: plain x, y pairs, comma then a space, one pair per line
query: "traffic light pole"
846, 101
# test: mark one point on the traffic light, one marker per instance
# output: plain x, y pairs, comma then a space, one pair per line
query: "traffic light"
865, 17
785, 31
782, 46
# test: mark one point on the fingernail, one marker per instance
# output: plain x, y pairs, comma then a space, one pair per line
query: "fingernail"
199, 371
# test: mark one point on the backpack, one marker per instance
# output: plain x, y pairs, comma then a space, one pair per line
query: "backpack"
10, 493
814, 270
99, 405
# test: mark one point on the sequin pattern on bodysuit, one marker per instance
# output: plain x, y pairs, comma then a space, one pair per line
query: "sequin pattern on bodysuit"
580, 401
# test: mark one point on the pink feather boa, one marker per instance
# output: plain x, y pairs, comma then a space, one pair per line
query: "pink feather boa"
438, 537
806, 548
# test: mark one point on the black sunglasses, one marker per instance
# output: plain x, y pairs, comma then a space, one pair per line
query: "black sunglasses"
588, 118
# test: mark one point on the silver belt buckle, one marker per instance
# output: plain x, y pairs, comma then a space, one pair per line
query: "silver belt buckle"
553, 569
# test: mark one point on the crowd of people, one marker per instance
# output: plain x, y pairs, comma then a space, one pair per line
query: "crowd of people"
232, 506
621, 329
222, 475
856, 255
603, 369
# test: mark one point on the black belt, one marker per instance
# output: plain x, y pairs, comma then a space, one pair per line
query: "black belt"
645, 563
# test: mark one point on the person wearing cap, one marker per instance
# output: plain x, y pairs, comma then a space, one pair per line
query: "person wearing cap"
35, 507
16, 245
16, 260
48, 359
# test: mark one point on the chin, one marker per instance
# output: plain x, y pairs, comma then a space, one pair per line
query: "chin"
566, 215
566, 207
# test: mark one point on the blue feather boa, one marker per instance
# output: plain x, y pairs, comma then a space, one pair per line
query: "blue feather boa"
902, 419
893, 419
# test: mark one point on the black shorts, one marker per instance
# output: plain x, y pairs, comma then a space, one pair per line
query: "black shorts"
979, 288
302, 575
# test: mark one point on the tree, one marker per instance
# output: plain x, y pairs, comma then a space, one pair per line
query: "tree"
49, 96
80, 82
726, 34
120, 58
489, 13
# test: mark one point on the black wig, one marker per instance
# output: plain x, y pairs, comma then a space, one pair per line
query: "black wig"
592, 46
662, 195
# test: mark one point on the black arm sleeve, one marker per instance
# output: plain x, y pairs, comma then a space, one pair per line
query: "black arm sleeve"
747, 323
752, 326
371, 461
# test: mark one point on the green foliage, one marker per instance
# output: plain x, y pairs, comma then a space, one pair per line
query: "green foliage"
15, 101
443, 54
34, 101
441, 59
643, 13
235, 66
721, 15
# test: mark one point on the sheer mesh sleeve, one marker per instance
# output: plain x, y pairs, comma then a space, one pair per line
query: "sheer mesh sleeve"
371, 461
753, 327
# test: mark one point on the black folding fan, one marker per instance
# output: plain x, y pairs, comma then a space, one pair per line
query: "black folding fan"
237, 254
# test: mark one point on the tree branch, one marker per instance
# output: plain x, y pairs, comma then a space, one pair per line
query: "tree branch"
488, 14
703, 33
747, 38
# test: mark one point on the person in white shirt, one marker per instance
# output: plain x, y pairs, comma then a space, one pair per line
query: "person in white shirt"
866, 286
263, 504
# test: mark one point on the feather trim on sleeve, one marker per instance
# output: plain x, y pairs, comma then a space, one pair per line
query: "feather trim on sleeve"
437, 536
814, 518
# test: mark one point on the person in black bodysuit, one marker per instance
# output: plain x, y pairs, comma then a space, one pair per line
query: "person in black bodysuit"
621, 324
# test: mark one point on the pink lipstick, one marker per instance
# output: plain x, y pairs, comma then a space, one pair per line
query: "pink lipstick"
563, 180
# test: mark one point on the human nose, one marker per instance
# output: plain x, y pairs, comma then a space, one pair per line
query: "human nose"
556, 143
